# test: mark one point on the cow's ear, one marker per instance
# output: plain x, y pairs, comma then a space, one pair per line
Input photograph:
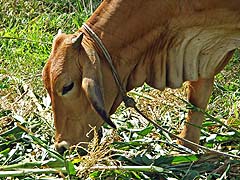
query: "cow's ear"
92, 85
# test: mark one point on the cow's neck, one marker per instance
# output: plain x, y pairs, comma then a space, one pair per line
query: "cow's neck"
129, 34
124, 30
140, 44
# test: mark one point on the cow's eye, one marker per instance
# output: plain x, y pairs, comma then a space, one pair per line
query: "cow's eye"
67, 88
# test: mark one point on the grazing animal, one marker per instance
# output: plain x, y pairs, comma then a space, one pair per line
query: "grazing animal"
163, 43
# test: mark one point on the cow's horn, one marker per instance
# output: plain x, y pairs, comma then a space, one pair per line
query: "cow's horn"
59, 32
76, 41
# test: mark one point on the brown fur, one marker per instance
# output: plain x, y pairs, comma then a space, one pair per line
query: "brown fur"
163, 43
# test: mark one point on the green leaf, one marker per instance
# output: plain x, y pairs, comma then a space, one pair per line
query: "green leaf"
127, 145
145, 131
191, 175
4, 112
206, 166
163, 160
138, 160
158, 169
222, 138
184, 159
76, 160
12, 131
135, 175
70, 168
5, 151
95, 174
146, 160
208, 124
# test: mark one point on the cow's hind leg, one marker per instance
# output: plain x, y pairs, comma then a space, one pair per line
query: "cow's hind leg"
198, 95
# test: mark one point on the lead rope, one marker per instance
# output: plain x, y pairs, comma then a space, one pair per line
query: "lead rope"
130, 102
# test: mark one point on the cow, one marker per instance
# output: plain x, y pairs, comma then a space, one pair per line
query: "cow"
158, 42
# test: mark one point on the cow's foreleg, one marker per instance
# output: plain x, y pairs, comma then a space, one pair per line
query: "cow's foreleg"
198, 95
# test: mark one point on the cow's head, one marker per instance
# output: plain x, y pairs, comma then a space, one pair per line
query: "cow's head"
73, 79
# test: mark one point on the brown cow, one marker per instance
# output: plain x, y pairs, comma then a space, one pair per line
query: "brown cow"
163, 43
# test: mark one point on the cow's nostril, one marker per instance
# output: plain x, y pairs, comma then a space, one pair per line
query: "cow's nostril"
62, 147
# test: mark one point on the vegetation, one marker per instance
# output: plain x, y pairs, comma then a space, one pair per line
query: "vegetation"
136, 150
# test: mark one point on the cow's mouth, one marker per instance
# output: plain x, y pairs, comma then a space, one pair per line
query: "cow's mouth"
63, 146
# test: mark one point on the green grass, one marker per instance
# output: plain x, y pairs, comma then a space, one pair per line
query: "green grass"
26, 126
